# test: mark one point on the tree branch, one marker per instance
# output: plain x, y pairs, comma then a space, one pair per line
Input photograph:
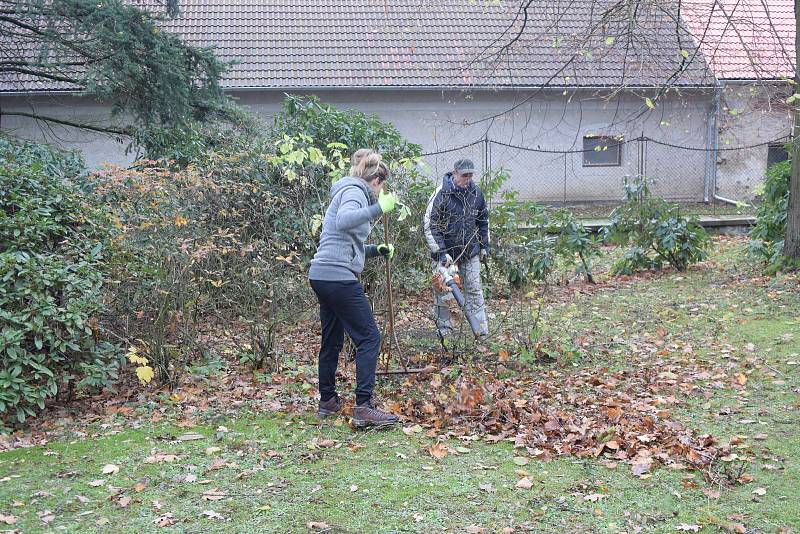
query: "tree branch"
63, 122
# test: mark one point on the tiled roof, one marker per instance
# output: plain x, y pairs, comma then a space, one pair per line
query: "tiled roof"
744, 39
296, 44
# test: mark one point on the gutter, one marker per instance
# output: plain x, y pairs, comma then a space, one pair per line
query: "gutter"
493, 88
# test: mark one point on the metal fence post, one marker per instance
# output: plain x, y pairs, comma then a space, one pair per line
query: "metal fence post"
564, 155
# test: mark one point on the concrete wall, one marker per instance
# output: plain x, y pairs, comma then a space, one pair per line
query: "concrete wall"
96, 148
548, 121
749, 115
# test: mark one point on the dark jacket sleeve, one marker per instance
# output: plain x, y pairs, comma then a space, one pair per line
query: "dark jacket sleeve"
482, 221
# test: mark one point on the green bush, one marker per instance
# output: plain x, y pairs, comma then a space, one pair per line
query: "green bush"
53, 246
770, 229
227, 221
656, 231
549, 237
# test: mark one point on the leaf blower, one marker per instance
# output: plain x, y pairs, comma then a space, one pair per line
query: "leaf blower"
447, 279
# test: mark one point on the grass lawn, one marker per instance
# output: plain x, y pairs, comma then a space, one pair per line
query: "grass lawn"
248, 470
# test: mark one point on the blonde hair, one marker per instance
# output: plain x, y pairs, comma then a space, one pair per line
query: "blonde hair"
356, 158
367, 165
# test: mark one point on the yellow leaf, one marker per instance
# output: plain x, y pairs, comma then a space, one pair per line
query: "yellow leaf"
135, 358
649, 103
180, 220
145, 374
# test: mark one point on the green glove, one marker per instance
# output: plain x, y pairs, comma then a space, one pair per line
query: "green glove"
386, 249
388, 201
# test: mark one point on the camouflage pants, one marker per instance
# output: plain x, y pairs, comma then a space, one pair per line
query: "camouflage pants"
470, 272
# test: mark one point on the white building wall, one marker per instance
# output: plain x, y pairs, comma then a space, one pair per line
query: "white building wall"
440, 120
749, 115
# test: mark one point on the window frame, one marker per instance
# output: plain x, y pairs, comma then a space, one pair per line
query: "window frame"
613, 140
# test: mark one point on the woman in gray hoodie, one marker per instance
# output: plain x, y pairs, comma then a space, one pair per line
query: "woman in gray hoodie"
356, 201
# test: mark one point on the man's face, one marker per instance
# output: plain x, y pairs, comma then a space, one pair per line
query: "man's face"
462, 179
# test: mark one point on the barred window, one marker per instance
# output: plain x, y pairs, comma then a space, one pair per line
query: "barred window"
602, 151
776, 152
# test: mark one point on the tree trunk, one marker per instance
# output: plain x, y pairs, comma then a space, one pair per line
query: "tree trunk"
791, 246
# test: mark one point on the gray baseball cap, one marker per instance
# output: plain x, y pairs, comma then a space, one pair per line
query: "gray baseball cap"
464, 166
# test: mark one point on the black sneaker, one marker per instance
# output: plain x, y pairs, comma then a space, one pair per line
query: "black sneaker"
330, 407
367, 415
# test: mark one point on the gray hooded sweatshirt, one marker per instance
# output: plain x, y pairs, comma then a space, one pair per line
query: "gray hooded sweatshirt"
345, 229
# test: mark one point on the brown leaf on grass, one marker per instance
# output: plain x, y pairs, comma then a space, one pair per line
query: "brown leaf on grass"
683, 527
524, 483
502, 355
124, 501
8, 519
139, 487
216, 464
160, 458
327, 443
165, 520
475, 529
110, 469
438, 450
740, 379
46, 516
711, 493
317, 525
521, 460
642, 465
211, 514
213, 495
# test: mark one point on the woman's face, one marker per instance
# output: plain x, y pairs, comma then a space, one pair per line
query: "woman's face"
376, 185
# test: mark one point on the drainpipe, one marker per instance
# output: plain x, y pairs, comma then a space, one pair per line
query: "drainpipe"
711, 186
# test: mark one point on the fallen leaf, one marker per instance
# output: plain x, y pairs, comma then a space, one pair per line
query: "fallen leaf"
353, 488
165, 520
524, 483
211, 514
738, 528
711, 494
438, 450
741, 379
642, 465
760, 491
521, 460
97, 483
487, 488
317, 525
475, 529
46, 516
594, 497
327, 443
410, 430
688, 528
124, 501
192, 436
213, 495
139, 487
110, 469
7, 519
212, 450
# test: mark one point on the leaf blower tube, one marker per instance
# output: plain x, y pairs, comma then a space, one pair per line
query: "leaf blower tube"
449, 280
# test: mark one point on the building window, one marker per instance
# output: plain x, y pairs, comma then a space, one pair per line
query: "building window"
776, 152
602, 151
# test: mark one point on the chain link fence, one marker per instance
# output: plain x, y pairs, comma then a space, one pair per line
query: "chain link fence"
589, 180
